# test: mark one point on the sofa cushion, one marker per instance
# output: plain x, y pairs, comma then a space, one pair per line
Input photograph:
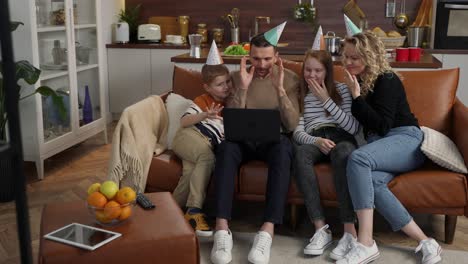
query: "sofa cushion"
187, 83
441, 150
431, 95
176, 105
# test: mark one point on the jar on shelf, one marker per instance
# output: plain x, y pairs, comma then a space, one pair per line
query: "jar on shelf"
218, 35
202, 31
184, 27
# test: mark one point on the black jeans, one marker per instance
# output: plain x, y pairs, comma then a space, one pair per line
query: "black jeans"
230, 155
308, 155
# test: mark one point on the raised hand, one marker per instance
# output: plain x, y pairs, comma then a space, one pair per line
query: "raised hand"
245, 76
213, 110
320, 91
352, 83
278, 77
325, 145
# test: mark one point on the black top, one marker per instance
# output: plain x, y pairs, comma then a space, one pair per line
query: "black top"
384, 108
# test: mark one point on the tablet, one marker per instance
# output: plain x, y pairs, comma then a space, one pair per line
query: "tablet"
82, 236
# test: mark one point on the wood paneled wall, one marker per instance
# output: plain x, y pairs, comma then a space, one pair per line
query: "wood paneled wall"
297, 34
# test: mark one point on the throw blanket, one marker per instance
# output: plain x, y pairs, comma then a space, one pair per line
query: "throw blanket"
140, 133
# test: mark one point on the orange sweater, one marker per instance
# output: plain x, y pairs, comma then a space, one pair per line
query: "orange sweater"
205, 100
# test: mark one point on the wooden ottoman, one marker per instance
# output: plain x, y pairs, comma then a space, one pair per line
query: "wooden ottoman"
160, 235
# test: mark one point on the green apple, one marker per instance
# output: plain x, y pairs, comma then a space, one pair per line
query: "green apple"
94, 188
109, 189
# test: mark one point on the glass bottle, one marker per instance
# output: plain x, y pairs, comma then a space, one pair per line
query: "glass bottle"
58, 54
87, 107
202, 31
184, 27
218, 35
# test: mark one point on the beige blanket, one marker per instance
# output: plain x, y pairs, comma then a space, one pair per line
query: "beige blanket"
140, 133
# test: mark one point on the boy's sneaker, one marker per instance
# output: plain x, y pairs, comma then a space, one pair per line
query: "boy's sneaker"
360, 254
222, 246
319, 242
431, 251
198, 222
260, 251
345, 244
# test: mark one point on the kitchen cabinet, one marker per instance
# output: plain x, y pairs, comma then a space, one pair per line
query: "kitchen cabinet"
62, 38
136, 73
457, 61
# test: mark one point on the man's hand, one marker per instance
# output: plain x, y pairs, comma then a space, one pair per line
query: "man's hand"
325, 145
320, 91
278, 78
352, 83
213, 110
245, 76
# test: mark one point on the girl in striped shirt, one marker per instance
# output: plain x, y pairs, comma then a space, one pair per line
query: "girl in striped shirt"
324, 133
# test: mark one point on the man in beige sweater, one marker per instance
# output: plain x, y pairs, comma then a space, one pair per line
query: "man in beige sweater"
265, 85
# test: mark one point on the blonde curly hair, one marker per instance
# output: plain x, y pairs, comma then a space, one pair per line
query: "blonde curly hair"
372, 52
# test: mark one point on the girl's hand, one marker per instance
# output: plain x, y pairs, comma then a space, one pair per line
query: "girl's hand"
278, 78
245, 76
213, 110
325, 145
352, 83
320, 91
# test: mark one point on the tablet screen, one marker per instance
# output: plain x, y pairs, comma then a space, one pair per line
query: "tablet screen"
83, 236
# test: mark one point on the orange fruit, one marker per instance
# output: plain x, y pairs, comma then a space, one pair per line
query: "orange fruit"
126, 212
112, 210
101, 217
97, 199
125, 195
246, 47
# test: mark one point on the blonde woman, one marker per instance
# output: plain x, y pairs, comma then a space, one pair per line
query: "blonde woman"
394, 139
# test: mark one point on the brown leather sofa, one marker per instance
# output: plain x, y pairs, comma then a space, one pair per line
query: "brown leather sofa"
430, 189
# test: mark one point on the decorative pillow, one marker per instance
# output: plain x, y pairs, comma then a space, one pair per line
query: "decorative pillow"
176, 106
441, 150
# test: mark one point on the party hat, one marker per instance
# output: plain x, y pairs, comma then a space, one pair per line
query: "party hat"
273, 35
213, 56
319, 42
351, 28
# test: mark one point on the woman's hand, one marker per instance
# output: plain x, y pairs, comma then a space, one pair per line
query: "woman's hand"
352, 83
213, 110
245, 76
278, 78
325, 145
320, 91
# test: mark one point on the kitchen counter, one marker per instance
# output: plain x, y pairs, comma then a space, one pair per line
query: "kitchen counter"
427, 60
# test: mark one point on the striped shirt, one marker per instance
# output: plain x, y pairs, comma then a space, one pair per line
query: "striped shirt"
315, 114
213, 129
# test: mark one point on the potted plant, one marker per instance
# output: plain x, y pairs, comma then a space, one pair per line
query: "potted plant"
131, 15
30, 74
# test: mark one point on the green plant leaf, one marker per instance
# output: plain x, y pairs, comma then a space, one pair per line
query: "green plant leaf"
14, 25
26, 71
57, 99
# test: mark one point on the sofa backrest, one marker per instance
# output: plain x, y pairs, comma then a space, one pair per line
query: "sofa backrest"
431, 94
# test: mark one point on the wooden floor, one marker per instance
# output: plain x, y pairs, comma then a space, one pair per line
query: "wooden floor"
68, 175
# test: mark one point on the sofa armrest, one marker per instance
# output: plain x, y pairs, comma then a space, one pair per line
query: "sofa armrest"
459, 125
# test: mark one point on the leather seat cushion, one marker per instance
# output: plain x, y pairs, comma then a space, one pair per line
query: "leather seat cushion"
167, 164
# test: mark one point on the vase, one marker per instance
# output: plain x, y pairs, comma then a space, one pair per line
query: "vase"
87, 107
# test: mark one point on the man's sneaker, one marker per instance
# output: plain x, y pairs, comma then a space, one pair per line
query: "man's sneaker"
319, 242
360, 254
222, 246
345, 244
260, 251
198, 222
431, 251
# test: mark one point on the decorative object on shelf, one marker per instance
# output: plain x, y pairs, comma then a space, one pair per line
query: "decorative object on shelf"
82, 54
42, 13
202, 31
87, 107
184, 26
218, 35
58, 53
305, 12
131, 16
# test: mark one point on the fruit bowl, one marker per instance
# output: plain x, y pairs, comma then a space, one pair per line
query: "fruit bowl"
112, 213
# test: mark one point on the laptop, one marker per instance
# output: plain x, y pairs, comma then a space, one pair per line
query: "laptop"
259, 125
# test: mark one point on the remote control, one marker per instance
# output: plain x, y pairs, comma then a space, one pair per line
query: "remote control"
144, 202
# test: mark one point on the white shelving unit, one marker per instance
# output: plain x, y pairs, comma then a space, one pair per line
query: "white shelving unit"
77, 29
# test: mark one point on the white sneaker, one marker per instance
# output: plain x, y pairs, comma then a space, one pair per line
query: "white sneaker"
360, 254
431, 251
260, 251
345, 244
319, 242
222, 246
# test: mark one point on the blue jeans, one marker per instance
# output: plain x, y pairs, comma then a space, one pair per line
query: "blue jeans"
371, 167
